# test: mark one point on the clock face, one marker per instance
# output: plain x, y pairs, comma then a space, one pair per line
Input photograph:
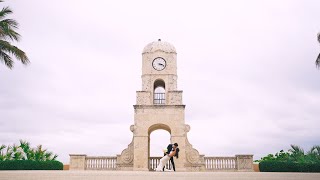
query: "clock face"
159, 63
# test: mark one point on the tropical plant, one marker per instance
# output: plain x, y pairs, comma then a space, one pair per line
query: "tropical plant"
8, 33
23, 151
318, 59
295, 154
314, 154
2, 157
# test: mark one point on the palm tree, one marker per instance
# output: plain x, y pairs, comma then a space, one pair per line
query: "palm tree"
314, 153
2, 155
41, 154
9, 153
297, 153
318, 59
16, 152
25, 152
7, 32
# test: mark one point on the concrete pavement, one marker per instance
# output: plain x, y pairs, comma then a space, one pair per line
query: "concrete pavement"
136, 175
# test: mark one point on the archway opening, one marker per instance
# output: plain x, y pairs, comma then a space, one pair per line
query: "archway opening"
159, 138
159, 93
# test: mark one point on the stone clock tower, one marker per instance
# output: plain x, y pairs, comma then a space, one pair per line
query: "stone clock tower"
159, 106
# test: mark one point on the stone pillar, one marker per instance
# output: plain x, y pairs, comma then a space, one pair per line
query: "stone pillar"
77, 162
244, 162
180, 162
140, 154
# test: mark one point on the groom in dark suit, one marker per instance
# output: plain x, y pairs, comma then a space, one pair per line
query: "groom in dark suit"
169, 148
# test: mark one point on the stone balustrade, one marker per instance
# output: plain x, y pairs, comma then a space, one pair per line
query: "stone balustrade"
101, 163
220, 163
237, 163
154, 161
84, 162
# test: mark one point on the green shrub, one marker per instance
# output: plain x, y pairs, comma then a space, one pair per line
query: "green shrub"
295, 154
30, 165
278, 166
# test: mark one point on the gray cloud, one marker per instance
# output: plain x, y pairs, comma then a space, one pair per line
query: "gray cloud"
252, 62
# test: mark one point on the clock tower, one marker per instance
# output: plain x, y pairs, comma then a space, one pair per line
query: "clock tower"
159, 75
159, 106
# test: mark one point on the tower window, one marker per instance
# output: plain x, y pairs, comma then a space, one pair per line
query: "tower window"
159, 92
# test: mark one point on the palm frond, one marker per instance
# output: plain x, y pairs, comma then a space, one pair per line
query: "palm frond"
318, 61
7, 29
20, 55
48, 155
315, 150
5, 46
8, 156
6, 59
54, 157
10, 23
296, 149
31, 154
9, 152
2, 147
25, 146
4, 12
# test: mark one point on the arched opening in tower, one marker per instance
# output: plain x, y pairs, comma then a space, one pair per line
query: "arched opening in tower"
159, 139
159, 94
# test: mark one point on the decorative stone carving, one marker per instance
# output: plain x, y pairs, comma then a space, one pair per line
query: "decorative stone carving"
195, 160
133, 128
193, 156
187, 128
127, 154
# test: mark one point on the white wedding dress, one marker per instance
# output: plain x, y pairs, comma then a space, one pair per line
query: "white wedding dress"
163, 162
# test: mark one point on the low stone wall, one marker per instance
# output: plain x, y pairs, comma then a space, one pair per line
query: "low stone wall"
66, 167
256, 167
236, 163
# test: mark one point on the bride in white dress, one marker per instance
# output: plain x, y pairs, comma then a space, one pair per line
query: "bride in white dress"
165, 159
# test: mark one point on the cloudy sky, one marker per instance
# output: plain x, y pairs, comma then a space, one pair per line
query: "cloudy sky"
246, 68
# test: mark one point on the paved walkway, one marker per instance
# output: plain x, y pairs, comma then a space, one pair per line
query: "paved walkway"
134, 175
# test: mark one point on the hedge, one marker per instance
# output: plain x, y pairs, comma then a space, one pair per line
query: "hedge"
278, 166
30, 165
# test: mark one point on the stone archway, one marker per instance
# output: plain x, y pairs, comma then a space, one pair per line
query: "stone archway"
152, 161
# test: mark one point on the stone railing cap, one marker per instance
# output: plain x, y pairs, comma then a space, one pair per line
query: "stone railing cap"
77, 155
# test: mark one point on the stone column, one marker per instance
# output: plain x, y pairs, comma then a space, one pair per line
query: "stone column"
180, 162
140, 155
244, 162
77, 162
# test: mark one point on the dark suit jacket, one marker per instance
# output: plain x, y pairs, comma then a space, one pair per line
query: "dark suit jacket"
169, 148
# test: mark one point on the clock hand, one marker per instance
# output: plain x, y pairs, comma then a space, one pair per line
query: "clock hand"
160, 64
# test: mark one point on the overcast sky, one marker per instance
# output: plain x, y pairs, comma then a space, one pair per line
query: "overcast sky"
246, 69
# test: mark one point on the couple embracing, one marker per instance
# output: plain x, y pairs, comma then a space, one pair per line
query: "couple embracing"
172, 150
